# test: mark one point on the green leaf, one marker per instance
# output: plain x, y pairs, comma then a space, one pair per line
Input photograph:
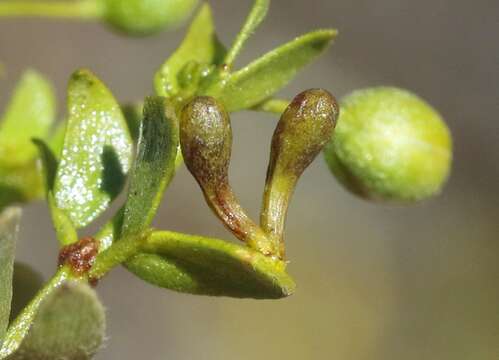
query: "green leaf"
255, 17
9, 228
207, 266
195, 264
20, 184
30, 113
200, 45
25, 285
265, 76
19, 328
97, 150
154, 165
70, 324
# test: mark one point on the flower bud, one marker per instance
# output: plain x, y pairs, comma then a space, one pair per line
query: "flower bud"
143, 17
304, 128
391, 145
206, 142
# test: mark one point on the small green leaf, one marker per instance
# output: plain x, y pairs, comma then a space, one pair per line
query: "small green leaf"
70, 324
255, 17
200, 45
207, 266
19, 328
195, 264
30, 113
25, 285
9, 227
20, 184
49, 163
265, 76
154, 165
97, 150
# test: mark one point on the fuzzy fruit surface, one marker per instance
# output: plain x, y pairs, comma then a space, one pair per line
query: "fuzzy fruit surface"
390, 144
143, 17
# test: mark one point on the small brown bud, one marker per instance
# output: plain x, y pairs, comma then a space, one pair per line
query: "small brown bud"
79, 256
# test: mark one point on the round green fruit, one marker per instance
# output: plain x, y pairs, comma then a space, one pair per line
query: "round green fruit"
389, 144
143, 17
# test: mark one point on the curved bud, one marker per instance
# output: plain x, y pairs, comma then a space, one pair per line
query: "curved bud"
206, 142
304, 128
143, 17
390, 145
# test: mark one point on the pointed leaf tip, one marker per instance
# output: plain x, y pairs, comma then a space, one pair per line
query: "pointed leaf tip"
262, 78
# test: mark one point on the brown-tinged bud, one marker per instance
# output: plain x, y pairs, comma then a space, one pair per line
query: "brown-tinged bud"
206, 142
303, 130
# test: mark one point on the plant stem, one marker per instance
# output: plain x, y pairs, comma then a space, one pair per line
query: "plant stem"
19, 328
119, 252
81, 9
275, 106
255, 17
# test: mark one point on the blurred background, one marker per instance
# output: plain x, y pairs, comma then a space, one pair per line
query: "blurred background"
374, 281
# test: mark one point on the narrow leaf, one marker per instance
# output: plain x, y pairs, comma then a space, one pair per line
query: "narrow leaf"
255, 17
154, 165
9, 227
196, 265
29, 114
69, 324
96, 153
200, 45
207, 266
265, 76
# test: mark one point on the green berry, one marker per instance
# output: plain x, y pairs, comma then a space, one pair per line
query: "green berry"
390, 144
143, 17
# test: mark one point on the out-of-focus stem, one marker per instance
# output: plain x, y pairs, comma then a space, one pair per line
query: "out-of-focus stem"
275, 106
83, 9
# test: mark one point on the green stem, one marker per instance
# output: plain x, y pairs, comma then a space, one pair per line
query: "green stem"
275, 106
276, 199
81, 9
255, 17
119, 252
20, 327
